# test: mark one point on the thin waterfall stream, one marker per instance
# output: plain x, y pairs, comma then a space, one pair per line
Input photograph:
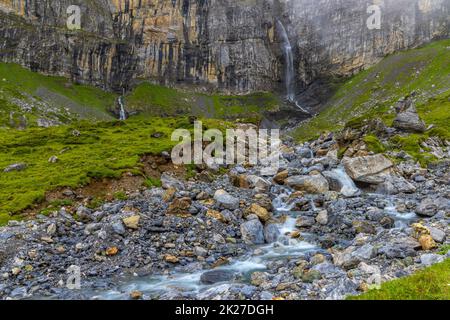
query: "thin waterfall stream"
289, 64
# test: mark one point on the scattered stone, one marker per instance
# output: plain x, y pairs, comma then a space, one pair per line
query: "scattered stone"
362, 226
216, 215
437, 234
281, 177
429, 259
180, 207
169, 194
259, 211
53, 159
322, 217
225, 200
132, 222
310, 184
305, 222
51, 229
171, 258
112, 251
119, 228
136, 295
427, 242
427, 207
15, 167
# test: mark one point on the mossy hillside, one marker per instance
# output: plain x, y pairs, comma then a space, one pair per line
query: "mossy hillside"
102, 150
373, 92
155, 100
49, 96
431, 283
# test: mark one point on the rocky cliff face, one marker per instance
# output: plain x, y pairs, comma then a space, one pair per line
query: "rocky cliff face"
229, 45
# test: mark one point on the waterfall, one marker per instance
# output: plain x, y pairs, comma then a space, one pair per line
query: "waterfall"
289, 62
122, 112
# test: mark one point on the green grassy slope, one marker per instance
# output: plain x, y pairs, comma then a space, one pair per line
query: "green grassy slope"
153, 100
373, 92
104, 149
32, 95
432, 283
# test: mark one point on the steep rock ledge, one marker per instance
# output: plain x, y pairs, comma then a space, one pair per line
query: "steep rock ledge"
227, 45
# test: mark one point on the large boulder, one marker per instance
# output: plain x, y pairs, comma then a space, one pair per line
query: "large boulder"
271, 233
428, 207
225, 200
310, 184
252, 232
407, 118
394, 184
368, 169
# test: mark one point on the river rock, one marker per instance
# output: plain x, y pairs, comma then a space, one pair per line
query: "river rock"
225, 200
311, 184
271, 233
258, 183
429, 259
428, 207
216, 215
216, 276
280, 177
322, 217
261, 212
395, 184
427, 242
305, 222
252, 232
368, 169
437, 234
366, 252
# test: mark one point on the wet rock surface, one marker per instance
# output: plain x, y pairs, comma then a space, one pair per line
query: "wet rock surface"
291, 237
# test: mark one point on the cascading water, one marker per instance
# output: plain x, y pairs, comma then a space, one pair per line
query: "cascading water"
122, 112
348, 187
189, 285
289, 62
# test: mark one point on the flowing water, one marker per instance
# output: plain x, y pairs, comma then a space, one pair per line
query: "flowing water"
348, 188
289, 77
189, 285
122, 112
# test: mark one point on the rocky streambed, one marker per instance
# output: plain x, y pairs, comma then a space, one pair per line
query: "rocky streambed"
321, 228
